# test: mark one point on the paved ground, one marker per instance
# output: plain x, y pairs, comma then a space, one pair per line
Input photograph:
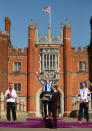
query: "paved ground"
67, 119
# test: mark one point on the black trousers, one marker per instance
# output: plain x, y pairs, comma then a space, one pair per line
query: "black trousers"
84, 106
54, 115
11, 106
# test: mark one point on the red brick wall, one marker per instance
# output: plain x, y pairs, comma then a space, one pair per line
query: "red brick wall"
3, 64
20, 77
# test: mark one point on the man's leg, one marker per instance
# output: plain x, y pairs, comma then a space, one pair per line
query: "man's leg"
80, 111
13, 111
49, 108
45, 107
54, 115
86, 110
8, 111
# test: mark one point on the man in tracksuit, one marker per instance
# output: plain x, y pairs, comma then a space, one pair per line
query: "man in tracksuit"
83, 96
10, 96
46, 92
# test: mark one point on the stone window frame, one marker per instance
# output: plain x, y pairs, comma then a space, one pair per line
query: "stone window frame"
82, 69
50, 52
17, 66
17, 87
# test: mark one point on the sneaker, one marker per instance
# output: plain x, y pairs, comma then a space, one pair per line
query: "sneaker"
15, 121
88, 121
8, 121
47, 117
79, 121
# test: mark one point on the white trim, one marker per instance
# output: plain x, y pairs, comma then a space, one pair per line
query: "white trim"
31, 112
17, 66
68, 112
62, 101
38, 114
18, 92
82, 68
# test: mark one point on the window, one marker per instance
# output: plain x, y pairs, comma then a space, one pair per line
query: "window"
82, 65
17, 87
17, 66
49, 59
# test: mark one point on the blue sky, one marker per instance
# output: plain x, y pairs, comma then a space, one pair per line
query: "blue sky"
20, 13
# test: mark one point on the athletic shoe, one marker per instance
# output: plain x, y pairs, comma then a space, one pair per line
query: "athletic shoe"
8, 121
47, 117
79, 121
88, 121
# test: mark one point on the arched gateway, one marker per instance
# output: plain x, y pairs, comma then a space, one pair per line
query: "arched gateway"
39, 108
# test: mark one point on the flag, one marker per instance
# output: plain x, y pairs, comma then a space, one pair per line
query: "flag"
47, 9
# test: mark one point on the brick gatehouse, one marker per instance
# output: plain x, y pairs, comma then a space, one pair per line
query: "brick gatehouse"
44, 55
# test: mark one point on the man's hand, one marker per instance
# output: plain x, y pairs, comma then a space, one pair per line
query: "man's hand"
8, 95
83, 100
37, 74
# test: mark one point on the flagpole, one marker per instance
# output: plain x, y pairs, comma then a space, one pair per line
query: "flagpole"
49, 30
48, 10
50, 17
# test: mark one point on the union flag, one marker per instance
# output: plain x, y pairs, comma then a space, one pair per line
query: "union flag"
46, 10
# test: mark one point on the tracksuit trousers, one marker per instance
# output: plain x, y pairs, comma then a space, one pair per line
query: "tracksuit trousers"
84, 106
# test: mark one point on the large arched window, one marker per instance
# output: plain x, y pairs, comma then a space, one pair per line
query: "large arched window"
49, 62
49, 59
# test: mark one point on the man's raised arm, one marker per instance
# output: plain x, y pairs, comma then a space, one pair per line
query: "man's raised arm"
39, 78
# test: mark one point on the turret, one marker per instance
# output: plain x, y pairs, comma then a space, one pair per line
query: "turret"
7, 25
31, 31
67, 42
32, 66
61, 28
67, 35
36, 34
67, 68
91, 31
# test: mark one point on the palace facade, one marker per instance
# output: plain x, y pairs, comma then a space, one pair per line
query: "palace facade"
44, 55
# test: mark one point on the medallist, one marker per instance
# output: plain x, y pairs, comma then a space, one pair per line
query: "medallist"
10, 96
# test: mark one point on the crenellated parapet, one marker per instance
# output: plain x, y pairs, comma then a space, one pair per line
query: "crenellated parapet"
17, 52
79, 51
